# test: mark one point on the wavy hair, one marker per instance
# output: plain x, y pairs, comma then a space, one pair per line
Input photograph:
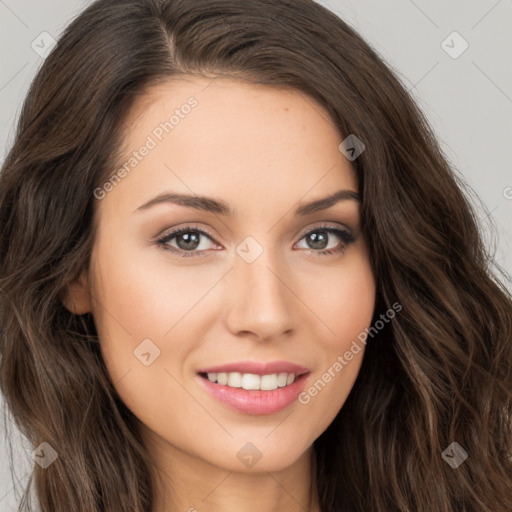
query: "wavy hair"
440, 372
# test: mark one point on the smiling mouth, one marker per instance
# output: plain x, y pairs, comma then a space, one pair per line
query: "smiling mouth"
251, 381
254, 393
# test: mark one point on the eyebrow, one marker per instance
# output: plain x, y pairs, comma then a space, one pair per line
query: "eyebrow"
220, 207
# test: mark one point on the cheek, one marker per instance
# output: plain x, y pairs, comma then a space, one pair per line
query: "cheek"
141, 319
356, 304
346, 302
147, 298
346, 309
149, 317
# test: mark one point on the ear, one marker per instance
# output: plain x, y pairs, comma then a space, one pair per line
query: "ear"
76, 298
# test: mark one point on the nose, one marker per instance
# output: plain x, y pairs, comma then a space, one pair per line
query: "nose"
261, 300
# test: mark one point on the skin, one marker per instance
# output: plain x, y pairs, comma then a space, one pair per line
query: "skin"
264, 151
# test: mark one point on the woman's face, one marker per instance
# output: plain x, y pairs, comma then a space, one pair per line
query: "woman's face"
247, 281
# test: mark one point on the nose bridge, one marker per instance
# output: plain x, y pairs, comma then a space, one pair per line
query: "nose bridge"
261, 301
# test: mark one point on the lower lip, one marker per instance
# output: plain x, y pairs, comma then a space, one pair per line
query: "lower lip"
255, 401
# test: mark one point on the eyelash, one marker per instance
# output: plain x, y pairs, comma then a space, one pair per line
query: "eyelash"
346, 236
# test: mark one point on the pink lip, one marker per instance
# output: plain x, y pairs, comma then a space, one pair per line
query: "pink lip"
255, 401
257, 368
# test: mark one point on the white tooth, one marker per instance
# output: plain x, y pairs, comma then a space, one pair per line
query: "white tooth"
269, 382
281, 379
235, 380
251, 381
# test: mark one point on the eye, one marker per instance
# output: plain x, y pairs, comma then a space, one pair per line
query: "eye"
320, 238
187, 241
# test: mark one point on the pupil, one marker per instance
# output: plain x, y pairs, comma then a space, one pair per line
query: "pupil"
318, 242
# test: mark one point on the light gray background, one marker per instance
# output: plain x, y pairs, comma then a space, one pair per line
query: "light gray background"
468, 99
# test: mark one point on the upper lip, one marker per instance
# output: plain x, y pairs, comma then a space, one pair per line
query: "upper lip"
257, 368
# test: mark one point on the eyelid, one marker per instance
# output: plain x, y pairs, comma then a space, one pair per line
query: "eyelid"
324, 225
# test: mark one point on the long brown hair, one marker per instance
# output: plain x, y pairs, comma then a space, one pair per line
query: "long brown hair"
440, 372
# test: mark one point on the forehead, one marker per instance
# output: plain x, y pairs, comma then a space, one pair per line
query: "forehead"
222, 137
223, 103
